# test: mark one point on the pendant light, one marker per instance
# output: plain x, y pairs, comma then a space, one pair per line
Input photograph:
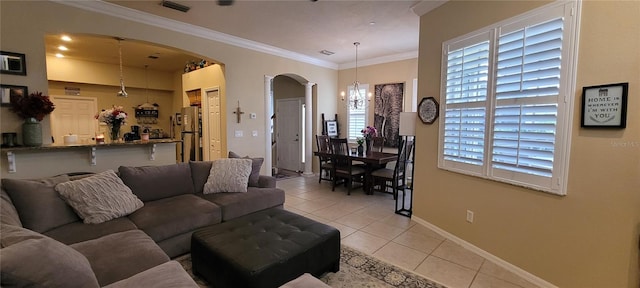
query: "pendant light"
122, 92
356, 100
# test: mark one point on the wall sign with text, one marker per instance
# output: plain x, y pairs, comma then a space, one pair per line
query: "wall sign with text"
605, 105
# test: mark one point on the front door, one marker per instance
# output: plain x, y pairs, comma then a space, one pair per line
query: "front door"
74, 115
289, 136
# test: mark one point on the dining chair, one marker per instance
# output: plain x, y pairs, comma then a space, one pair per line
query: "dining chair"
325, 161
377, 144
342, 166
394, 178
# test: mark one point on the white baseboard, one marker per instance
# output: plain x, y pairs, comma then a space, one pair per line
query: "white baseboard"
495, 259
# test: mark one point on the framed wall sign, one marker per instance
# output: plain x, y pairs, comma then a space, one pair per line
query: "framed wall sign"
12, 63
605, 106
332, 128
7, 91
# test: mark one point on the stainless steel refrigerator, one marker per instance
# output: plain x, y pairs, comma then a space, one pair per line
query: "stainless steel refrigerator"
191, 134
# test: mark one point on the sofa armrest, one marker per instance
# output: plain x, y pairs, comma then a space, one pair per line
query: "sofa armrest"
266, 182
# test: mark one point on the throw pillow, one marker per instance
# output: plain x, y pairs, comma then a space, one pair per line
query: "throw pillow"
228, 175
39, 206
39, 261
256, 164
99, 198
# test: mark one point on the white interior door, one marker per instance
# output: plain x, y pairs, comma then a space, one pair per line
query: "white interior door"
74, 115
214, 135
288, 136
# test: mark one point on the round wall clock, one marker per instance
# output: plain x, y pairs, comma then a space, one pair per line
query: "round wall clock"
428, 110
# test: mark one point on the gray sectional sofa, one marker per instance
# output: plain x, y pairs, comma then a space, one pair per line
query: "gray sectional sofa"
45, 243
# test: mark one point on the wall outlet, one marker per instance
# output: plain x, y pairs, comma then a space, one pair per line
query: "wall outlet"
469, 216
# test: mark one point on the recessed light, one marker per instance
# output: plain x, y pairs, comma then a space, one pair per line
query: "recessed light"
65, 38
59, 55
372, 23
62, 48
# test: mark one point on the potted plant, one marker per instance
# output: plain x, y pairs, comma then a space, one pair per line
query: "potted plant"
114, 118
360, 141
32, 108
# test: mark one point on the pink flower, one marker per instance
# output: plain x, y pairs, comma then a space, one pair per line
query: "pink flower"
369, 132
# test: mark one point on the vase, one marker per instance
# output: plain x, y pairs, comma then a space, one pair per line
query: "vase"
360, 150
31, 132
368, 143
115, 133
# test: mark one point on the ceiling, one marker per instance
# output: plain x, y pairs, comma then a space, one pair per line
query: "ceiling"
385, 29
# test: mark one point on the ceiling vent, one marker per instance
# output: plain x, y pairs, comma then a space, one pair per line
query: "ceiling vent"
327, 52
175, 6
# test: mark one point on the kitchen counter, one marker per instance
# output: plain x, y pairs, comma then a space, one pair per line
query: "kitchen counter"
48, 160
63, 146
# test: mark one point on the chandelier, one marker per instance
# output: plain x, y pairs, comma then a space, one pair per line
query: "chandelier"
122, 92
356, 99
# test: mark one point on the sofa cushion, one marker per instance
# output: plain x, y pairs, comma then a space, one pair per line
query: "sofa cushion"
156, 182
38, 204
8, 213
100, 197
78, 231
39, 261
256, 165
121, 255
165, 218
169, 275
228, 175
238, 204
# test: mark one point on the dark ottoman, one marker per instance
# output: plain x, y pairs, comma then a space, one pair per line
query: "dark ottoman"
264, 249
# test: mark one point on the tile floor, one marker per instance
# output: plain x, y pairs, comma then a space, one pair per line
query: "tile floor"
368, 223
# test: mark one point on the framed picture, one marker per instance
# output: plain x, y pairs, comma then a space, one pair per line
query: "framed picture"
332, 128
178, 119
605, 106
7, 91
386, 117
12, 63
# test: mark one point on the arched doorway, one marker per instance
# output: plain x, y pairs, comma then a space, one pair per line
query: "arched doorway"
289, 86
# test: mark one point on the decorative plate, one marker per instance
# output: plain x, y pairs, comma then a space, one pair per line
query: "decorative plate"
428, 110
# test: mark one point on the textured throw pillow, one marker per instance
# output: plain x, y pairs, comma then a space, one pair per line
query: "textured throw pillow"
228, 175
30, 259
99, 198
256, 164
38, 204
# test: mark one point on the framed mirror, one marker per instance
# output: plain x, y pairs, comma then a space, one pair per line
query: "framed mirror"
12, 63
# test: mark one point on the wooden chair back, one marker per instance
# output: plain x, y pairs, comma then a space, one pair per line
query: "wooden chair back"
339, 146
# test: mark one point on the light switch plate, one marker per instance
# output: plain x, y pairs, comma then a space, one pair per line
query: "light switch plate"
239, 133
254, 133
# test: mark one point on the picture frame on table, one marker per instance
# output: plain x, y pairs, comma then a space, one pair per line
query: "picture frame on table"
332, 128
13, 63
6, 91
605, 106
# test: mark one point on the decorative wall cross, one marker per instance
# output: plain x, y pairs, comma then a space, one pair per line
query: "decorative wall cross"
238, 112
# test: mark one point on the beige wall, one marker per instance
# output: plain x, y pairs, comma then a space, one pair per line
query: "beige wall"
394, 72
588, 238
244, 69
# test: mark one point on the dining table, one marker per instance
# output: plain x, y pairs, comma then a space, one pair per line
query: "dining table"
372, 160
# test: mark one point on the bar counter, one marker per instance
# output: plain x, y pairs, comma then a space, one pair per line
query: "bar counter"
54, 159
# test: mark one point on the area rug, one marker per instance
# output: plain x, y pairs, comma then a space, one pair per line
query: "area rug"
286, 174
357, 270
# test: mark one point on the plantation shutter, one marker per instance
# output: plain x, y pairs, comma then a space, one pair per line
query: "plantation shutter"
467, 72
527, 95
357, 117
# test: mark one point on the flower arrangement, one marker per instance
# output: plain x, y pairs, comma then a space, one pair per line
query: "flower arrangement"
112, 117
360, 141
369, 132
34, 105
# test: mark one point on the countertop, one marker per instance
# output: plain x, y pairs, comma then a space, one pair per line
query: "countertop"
62, 146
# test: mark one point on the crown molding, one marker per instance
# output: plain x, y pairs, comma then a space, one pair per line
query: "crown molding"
114, 10
380, 60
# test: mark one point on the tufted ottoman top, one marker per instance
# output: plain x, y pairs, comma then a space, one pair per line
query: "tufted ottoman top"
268, 247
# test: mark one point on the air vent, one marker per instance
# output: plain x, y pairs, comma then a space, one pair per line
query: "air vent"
175, 6
327, 52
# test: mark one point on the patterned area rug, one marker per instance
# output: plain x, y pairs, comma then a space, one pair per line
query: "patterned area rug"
357, 270
286, 174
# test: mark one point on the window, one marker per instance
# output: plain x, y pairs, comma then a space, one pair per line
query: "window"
507, 91
357, 117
